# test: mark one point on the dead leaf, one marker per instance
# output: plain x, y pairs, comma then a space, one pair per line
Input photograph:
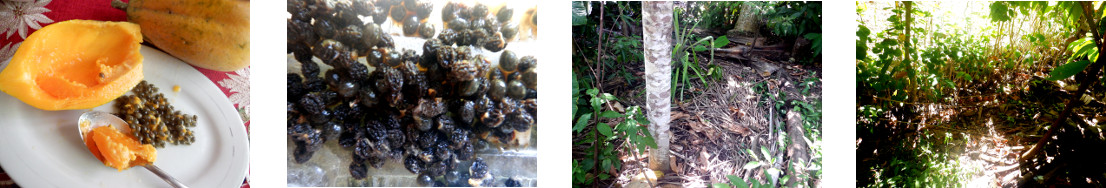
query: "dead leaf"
676, 115
739, 129
669, 185
674, 165
618, 107
615, 82
900, 75
695, 126
736, 112
644, 178
703, 127
704, 159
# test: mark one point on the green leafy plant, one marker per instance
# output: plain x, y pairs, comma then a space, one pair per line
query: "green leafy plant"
716, 14
796, 19
1083, 49
735, 182
625, 49
793, 18
580, 13
687, 58
816, 42
764, 159
627, 128
602, 46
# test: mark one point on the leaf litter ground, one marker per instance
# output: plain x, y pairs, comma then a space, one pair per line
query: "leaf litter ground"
713, 126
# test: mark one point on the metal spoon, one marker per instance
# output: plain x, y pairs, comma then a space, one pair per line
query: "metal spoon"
93, 119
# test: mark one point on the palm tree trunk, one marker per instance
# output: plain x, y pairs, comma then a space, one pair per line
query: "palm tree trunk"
657, 24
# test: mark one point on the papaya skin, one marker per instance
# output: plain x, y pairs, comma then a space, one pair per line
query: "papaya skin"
75, 64
211, 34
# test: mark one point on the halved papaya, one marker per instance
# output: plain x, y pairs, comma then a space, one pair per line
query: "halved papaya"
75, 64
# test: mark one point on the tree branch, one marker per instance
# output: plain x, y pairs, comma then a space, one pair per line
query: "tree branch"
599, 63
1090, 79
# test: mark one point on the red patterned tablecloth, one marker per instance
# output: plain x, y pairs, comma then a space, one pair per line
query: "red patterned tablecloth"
20, 18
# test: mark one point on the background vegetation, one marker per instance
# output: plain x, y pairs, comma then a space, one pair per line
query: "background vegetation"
954, 63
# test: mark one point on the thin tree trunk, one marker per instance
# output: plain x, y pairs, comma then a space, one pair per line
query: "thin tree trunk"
906, 43
748, 19
657, 24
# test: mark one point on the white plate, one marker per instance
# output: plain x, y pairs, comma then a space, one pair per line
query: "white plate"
43, 148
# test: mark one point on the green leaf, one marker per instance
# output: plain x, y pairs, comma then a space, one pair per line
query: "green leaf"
582, 122
887, 43
863, 32
610, 114
606, 96
773, 172
1085, 47
751, 153
575, 92
604, 129
816, 42
1075, 10
721, 42
1077, 43
596, 103
999, 12
579, 13
699, 48
736, 181
764, 150
751, 165
861, 51
1067, 70
648, 139
1093, 55
574, 105
1101, 25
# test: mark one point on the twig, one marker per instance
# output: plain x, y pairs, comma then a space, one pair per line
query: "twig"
625, 143
598, 61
